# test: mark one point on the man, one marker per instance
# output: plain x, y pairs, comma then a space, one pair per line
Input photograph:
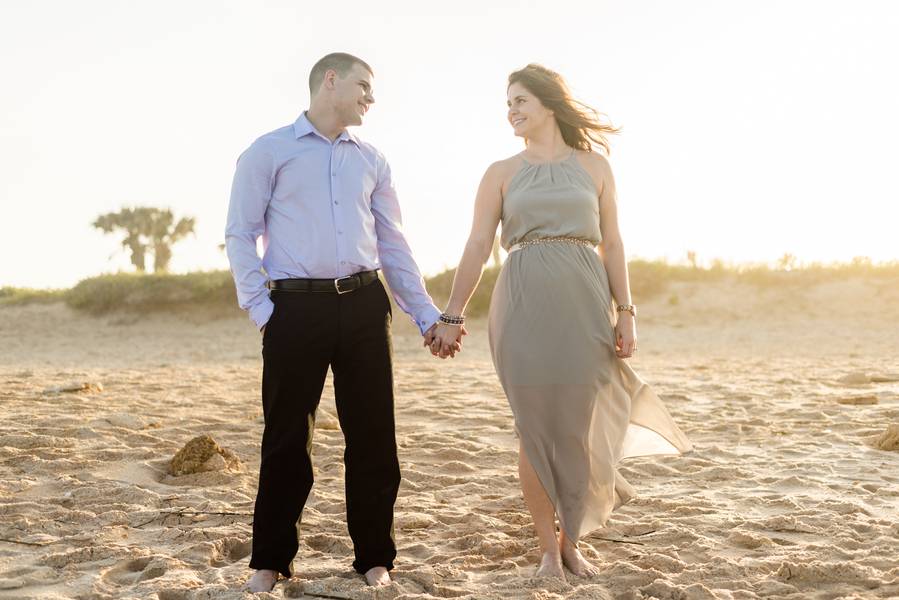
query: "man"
325, 206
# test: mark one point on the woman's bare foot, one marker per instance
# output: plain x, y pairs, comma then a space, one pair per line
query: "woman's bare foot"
262, 580
377, 576
575, 562
550, 566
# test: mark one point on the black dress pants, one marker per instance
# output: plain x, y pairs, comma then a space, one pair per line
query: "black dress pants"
307, 333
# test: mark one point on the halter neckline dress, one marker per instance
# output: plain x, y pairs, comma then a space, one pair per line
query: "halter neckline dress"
579, 409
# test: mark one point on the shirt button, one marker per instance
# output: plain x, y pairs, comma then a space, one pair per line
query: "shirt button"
336, 202
333, 173
339, 232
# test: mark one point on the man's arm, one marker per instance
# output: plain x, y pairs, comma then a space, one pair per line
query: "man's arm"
400, 270
250, 194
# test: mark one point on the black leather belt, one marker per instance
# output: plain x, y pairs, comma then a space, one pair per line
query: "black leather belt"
341, 285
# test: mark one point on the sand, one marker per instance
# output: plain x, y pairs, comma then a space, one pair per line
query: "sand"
790, 397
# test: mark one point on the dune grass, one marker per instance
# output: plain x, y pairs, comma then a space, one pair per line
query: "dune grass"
11, 296
650, 279
152, 292
215, 289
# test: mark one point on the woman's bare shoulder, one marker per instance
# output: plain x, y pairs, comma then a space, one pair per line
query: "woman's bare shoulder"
505, 166
595, 162
502, 171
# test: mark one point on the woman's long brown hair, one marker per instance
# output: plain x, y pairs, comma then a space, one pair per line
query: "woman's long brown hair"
582, 126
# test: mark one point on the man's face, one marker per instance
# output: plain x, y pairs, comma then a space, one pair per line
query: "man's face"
353, 95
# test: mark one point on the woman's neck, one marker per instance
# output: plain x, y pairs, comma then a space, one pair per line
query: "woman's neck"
548, 147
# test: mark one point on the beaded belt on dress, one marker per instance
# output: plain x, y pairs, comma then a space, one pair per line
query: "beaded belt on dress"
560, 238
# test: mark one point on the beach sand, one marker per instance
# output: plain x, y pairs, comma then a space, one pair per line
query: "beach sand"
788, 395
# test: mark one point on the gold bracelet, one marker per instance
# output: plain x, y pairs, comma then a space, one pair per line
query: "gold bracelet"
627, 308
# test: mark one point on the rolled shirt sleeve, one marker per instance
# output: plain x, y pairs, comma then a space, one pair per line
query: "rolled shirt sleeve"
400, 269
251, 192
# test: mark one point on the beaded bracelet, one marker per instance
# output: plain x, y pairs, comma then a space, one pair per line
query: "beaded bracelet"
452, 319
627, 308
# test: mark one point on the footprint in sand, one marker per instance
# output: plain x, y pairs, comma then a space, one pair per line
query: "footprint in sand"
328, 544
420, 552
126, 420
219, 553
406, 521
293, 589
863, 378
858, 400
884, 377
173, 594
231, 550
86, 387
817, 573
135, 570
664, 589
747, 539
855, 378
11, 583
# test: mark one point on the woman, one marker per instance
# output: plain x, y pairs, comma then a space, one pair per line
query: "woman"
561, 319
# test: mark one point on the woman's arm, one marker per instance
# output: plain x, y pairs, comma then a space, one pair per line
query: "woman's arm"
612, 252
487, 213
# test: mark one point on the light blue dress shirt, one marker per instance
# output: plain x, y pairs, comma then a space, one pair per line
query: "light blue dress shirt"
324, 210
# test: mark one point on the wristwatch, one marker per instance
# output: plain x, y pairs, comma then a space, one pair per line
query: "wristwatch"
627, 308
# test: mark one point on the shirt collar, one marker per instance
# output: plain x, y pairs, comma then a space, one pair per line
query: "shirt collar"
303, 126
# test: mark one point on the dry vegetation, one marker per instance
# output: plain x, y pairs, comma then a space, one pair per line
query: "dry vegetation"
649, 280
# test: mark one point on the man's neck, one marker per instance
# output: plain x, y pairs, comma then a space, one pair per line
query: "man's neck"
325, 122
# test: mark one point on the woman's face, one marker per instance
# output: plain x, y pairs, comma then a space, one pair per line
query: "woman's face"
526, 112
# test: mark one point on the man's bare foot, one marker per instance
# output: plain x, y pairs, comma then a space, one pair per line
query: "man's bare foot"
550, 566
575, 562
262, 580
377, 576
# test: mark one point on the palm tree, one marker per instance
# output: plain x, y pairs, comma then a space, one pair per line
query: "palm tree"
147, 230
165, 234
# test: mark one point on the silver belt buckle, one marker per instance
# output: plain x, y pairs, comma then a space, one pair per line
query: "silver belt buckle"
337, 284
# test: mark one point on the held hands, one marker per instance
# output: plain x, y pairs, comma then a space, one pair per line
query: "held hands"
444, 340
625, 335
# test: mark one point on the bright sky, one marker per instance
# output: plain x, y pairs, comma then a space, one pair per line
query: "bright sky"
750, 129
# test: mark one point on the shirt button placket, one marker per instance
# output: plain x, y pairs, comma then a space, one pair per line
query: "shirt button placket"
335, 200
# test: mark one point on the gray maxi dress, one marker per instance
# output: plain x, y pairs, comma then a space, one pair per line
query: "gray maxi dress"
578, 408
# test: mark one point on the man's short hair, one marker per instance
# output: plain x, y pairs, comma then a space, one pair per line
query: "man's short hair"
341, 62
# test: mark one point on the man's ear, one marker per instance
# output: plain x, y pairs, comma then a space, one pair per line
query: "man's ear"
330, 78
